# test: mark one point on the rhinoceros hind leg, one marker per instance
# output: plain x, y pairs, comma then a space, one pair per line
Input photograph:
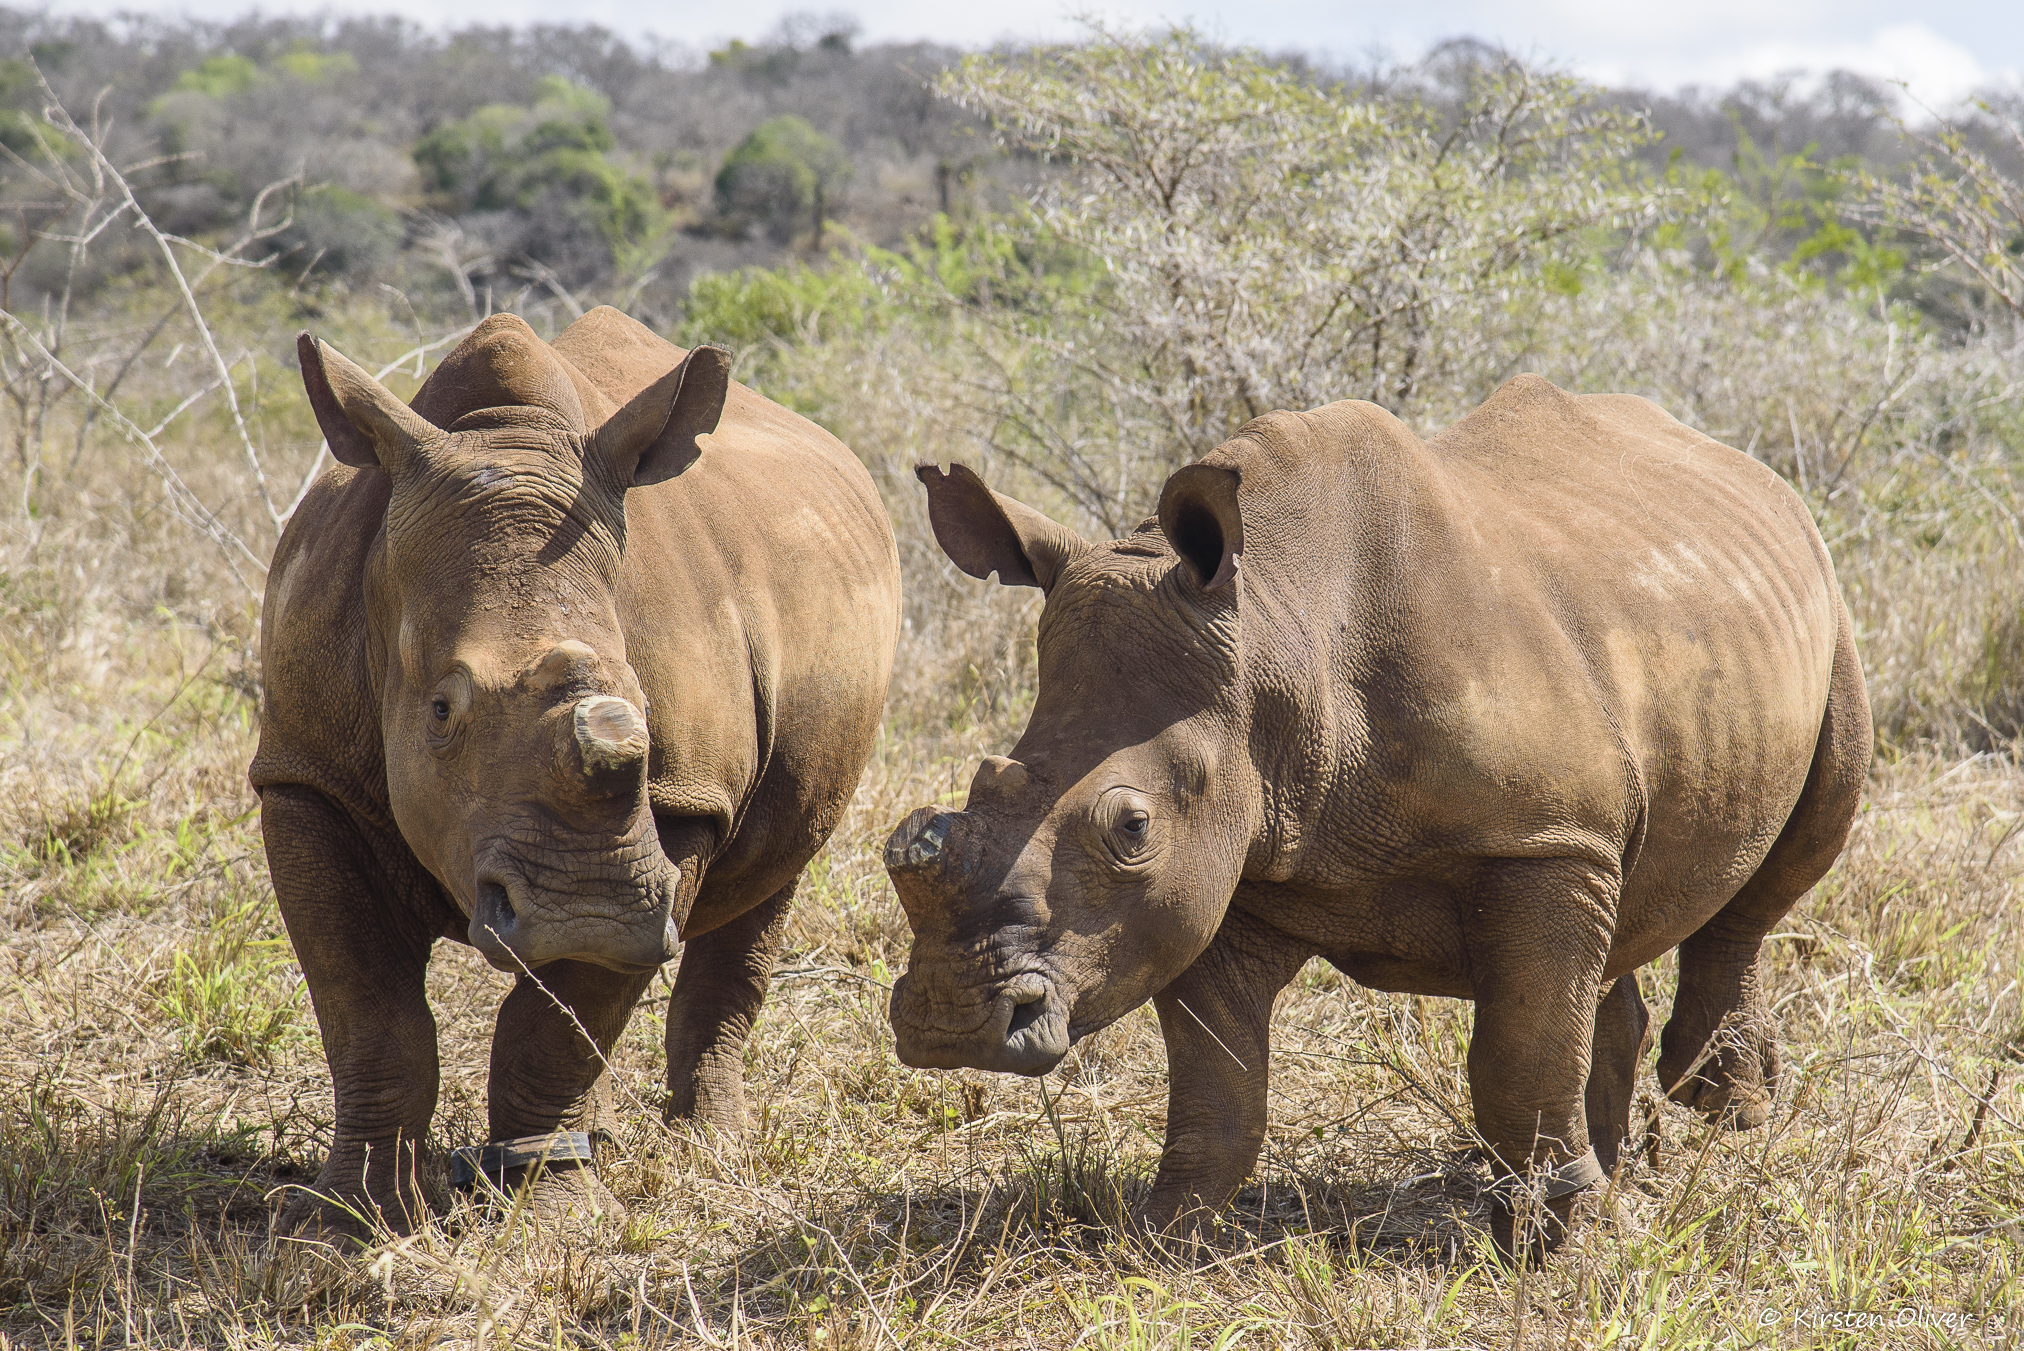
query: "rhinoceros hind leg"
1622, 1036
1719, 1051
718, 990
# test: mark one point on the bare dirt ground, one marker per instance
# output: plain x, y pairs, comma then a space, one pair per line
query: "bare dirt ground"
161, 1087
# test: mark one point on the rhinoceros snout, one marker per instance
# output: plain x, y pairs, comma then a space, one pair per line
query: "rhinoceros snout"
919, 841
1023, 1027
512, 935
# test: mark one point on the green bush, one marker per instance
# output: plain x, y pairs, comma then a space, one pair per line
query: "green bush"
783, 174
17, 106
506, 157
221, 77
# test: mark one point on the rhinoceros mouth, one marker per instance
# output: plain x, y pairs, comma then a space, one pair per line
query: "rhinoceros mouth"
1024, 1029
510, 931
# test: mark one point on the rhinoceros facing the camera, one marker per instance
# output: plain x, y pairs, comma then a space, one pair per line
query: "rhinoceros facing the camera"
552, 670
1504, 715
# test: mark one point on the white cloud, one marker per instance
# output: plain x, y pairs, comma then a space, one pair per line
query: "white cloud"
1956, 46
1936, 72
1612, 24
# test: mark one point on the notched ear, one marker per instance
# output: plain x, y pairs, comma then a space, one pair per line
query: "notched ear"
983, 533
1199, 517
364, 422
653, 438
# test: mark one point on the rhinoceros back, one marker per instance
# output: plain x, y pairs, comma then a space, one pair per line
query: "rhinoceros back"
761, 598
1565, 625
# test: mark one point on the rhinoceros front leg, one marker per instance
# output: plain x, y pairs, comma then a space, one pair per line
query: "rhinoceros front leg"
1537, 935
550, 1054
718, 991
1215, 1018
364, 953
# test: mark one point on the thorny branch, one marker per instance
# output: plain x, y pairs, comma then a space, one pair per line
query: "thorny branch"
88, 194
1959, 198
185, 502
255, 232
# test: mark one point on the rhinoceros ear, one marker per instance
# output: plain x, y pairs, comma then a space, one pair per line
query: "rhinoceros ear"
365, 424
653, 438
1199, 517
983, 533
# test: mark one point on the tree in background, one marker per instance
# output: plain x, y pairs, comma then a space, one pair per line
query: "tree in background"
231, 125
549, 165
217, 110
1231, 236
784, 173
1959, 197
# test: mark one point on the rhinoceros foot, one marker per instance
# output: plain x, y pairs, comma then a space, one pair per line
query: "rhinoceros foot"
350, 1218
318, 1220
1529, 1233
1724, 1067
572, 1196
1184, 1232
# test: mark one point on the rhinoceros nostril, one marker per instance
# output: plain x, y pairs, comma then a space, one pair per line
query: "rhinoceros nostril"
1029, 1001
495, 904
1024, 1016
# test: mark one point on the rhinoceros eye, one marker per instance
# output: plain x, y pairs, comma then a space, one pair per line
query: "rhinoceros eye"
1133, 832
451, 700
1127, 826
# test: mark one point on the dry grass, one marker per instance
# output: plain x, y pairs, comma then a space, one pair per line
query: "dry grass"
162, 1086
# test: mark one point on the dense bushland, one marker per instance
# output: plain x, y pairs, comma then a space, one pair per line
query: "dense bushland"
489, 165
1223, 236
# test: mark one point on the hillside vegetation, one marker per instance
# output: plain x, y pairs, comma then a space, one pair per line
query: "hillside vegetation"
1073, 269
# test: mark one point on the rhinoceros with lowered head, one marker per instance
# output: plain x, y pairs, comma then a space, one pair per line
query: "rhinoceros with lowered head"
580, 656
1503, 715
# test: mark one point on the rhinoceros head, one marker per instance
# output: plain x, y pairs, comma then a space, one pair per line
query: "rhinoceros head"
515, 734
1090, 867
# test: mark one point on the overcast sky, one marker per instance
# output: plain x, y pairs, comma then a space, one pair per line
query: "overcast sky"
1943, 48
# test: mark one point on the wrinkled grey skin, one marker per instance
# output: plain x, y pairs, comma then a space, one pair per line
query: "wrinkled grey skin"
1502, 716
578, 658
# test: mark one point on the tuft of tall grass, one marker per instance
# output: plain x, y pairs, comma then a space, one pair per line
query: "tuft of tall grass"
233, 995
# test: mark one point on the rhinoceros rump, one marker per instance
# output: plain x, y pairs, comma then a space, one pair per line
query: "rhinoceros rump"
1503, 716
546, 675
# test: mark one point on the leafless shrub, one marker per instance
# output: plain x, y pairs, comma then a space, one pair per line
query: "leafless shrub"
1240, 239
